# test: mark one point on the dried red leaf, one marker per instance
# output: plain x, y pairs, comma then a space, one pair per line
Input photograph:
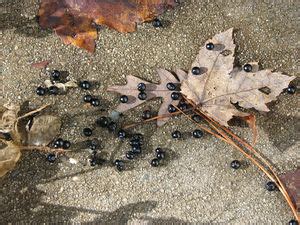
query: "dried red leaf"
291, 181
73, 20
41, 65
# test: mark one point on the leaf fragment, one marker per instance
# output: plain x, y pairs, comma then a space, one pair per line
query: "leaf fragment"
9, 156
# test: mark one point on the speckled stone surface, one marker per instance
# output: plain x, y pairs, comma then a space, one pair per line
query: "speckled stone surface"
195, 182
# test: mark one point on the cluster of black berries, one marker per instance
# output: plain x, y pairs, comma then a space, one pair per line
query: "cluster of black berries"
58, 143
106, 122
196, 134
86, 85
55, 76
142, 93
160, 155
136, 142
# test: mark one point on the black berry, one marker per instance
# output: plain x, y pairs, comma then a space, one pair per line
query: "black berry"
157, 23
58, 143
136, 149
121, 134
175, 95
93, 144
141, 86
142, 96
51, 157
154, 162
247, 68
130, 155
120, 165
95, 102
293, 222
291, 89
102, 121
41, 91
183, 106
55, 75
197, 133
176, 134
146, 114
196, 70
235, 164
171, 109
171, 86
196, 118
210, 46
87, 98
124, 99
85, 85
66, 144
160, 155
87, 132
271, 186
157, 150
53, 90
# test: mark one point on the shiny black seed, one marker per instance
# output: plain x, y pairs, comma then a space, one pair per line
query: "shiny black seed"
124, 99
53, 90
160, 155
135, 142
171, 86
154, 162
138, 137
85, 85
196, 118
175, 95
171, 109
87, 98
55, 75
247, 68
293, 222
141, 86
183, 106
120, 165
59, 142
157, 23
210, 46
130, 155
51, 157
121, 134
176, 134
102, 121
93, 144
158, 150
136, 149
112, 126
197, 133
66, 144
291, 89
142, 96
41, 91
235, 164
146, 114
196, 70
95, 102
87, 132
93, 161
271, 186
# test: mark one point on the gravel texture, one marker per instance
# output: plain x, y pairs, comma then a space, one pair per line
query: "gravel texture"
195, 182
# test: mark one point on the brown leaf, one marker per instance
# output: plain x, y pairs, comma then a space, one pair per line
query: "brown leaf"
219, 85
9, 116
73, 20
9, 156
152, 91
43, 130
291, 181
40, 65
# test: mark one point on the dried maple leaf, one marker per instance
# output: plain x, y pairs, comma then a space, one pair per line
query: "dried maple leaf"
152, 91
219, 84
73, 20
291, 181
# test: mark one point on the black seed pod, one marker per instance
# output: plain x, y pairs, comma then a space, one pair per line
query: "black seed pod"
142, 96
210, 46
175, 95
171, 86
271, 186
154, 162
157, 23
247, 68
141, 86
124, 99
196, 70
235, 164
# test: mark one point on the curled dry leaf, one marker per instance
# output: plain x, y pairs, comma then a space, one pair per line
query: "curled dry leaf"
9, 115
73, 20
61, 86
291, 181
152, 91
9, 156
43, 130
219, 84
